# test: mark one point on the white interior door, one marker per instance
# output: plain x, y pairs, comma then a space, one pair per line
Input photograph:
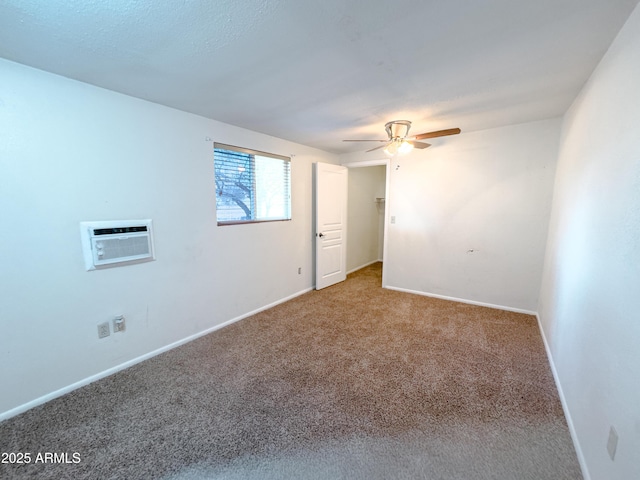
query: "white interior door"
331, 223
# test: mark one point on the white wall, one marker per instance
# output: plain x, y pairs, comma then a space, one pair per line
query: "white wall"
488, 192
71, 152
590, 296
364, 218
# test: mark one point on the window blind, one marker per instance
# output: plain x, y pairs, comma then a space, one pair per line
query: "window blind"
251, 186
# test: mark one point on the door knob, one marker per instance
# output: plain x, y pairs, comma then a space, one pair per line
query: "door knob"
321, 235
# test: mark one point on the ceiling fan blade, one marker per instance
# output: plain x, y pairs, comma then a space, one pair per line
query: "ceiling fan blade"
376, 148
366, 140
419, 145
438, 133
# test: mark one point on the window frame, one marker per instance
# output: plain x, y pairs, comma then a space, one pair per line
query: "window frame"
254, 153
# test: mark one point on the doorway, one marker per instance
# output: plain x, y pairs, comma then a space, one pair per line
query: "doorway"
367, 214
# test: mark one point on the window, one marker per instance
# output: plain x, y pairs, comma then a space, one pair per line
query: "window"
251, 186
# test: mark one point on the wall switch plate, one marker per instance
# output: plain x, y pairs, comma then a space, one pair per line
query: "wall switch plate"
612, 443
119, 324
299, 270
103, 330
393, 219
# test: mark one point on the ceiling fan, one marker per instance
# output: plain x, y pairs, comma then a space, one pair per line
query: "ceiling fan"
399, 142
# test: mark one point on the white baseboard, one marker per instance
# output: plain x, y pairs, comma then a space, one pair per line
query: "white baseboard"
74, 386
362, 266
463, 300
565, 407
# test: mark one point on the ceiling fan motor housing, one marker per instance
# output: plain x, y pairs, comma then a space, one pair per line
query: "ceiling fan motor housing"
398, 128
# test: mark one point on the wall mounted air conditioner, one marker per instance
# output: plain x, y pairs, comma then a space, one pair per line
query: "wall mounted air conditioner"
115, 243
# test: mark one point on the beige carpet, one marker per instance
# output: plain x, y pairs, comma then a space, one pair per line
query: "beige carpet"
351, 382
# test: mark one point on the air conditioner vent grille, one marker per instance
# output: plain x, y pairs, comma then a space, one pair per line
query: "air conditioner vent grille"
124, 247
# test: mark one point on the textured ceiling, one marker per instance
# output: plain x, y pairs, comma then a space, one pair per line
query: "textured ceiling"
316, 72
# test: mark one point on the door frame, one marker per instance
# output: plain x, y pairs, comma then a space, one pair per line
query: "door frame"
374, 163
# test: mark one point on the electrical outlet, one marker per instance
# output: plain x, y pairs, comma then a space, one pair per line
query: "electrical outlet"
393, 219
103, 330
612, 443
119, 324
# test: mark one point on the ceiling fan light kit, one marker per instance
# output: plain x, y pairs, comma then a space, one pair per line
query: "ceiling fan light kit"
397, 143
